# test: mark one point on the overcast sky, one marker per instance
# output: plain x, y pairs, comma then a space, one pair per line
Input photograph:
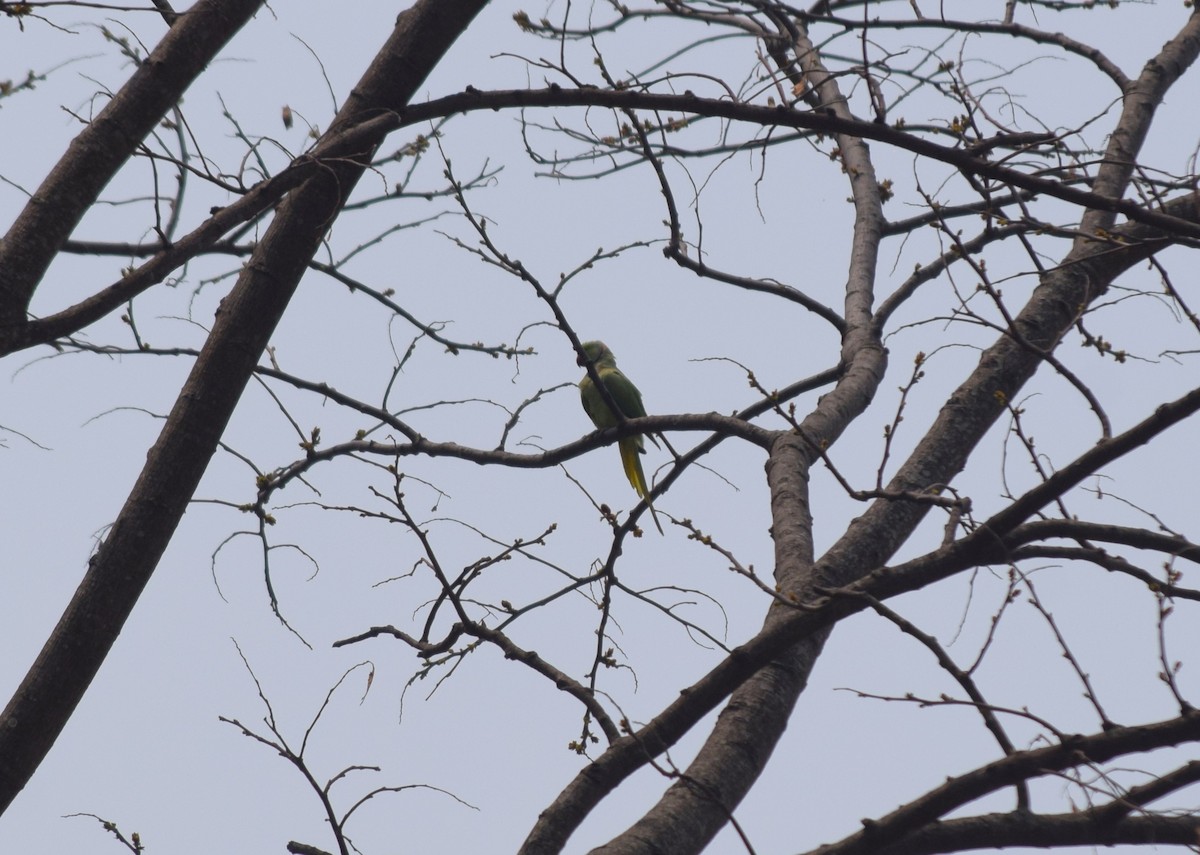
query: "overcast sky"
146, 749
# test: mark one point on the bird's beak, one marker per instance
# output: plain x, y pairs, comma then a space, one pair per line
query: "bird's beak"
580, 361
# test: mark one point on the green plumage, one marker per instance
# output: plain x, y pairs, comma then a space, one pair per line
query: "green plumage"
629, 401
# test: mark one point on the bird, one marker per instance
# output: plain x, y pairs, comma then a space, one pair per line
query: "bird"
628, 400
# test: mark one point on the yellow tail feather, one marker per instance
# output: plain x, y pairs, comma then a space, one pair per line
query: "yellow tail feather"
633, 466
633, 471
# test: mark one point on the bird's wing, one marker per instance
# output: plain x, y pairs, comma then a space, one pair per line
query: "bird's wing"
624, 394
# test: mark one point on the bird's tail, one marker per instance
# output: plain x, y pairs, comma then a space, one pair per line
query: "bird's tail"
630, 451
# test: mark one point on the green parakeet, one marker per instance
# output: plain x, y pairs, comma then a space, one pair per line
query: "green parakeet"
628, 400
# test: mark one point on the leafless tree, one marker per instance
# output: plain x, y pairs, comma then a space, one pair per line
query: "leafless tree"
1000, 207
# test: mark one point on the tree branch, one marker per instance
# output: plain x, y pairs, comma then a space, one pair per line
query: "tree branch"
123, 564
96, 154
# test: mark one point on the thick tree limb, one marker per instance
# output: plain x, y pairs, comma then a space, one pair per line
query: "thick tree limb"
998, 831
27, 334
817, 120
733, 756
125, 561
96, 154
923, 812
968, 415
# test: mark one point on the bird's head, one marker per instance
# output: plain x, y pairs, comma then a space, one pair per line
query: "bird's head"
595, 351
